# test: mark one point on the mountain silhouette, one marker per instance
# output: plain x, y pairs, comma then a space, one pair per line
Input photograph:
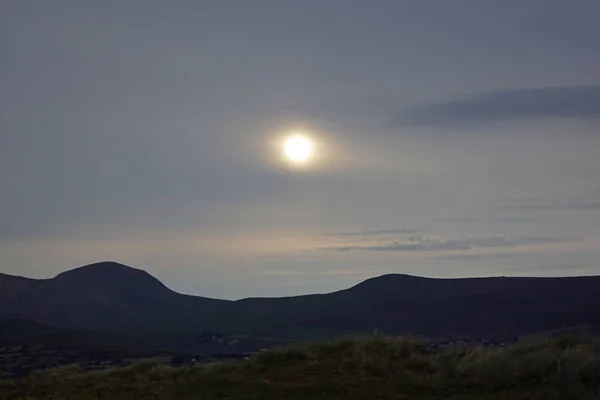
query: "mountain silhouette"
105, 295
112, 296
108, 273
398, 304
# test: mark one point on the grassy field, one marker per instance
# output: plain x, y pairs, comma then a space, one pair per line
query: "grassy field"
357, 368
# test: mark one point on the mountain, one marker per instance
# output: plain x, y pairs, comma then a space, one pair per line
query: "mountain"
110, 296
104, 295
396, 303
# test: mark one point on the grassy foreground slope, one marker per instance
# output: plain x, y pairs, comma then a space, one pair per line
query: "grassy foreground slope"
369, 368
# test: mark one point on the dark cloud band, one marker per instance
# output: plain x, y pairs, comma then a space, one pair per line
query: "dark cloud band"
581, 102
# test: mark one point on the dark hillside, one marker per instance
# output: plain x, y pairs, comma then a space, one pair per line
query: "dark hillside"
101, 296
407, 304
112, 296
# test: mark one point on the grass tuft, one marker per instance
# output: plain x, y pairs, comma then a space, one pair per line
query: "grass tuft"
348, 368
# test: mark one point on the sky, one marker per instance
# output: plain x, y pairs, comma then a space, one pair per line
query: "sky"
456, 139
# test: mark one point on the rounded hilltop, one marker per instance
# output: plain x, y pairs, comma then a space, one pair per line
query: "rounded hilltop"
109, 272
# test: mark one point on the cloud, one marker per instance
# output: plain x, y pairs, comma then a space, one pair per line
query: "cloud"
378, 232
542, 206
487, 219
437, 244
551, 204
352, 272
478, 256
553, 268
581, 102
340, 272
458, 219
516, 219
283, 273
560, 267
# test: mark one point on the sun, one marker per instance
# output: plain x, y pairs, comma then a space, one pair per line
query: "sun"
298, 149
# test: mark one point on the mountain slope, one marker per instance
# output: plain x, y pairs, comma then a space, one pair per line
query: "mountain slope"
105, 295
408, 304
111, 296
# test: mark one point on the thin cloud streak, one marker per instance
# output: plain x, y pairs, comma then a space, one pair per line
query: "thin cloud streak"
578, 102
553, 204
378, 232
479, 256
567, 268
429, 244
341, 272
487, 219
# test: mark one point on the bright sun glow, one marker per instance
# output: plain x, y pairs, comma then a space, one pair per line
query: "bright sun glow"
298, 149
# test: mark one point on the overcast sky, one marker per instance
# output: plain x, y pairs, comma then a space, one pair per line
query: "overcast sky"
458, 138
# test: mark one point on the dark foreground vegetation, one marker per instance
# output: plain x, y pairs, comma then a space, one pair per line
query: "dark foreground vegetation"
363, 368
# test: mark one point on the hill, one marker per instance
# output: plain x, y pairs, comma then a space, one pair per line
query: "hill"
402, 304
111, 296
104, 296
365, 369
